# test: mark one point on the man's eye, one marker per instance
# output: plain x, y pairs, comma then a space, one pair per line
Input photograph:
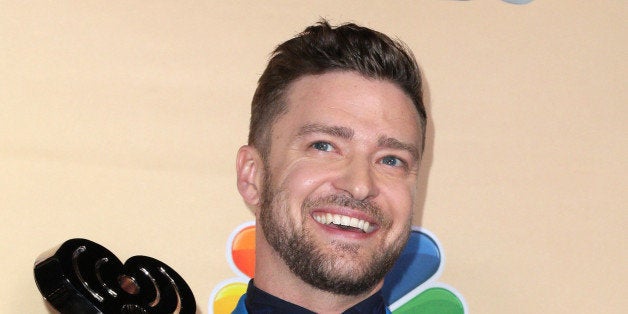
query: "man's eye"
322, 146
393, 161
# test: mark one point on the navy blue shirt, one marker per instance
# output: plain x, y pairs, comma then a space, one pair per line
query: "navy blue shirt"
260, 302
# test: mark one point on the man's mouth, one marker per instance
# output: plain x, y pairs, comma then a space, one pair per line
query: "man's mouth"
344, 222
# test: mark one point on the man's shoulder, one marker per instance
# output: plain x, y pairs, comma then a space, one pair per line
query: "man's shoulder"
240, 307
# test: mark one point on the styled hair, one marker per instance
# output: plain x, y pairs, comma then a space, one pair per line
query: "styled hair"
319, 49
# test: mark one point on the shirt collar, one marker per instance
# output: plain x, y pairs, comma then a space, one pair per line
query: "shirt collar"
259, 301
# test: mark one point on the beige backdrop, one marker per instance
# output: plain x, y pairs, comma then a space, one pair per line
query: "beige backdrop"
120, 120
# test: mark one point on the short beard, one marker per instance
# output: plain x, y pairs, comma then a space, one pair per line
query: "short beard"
324, 269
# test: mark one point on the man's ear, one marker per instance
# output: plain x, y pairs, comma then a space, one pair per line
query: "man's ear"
250, 168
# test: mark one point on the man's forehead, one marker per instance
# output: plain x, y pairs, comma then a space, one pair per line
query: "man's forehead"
329, 99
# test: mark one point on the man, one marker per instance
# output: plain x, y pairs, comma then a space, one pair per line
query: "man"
331, 170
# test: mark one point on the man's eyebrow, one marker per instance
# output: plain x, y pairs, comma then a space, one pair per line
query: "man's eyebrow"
337, 131
390, 142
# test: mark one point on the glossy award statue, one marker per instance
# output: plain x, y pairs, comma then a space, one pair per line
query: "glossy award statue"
81, 276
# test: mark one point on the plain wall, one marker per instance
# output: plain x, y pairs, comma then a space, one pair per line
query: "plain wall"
120, 121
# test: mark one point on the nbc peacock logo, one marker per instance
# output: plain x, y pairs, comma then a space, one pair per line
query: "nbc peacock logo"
411, 287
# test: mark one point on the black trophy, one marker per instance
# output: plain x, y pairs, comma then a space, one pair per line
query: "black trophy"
81, 276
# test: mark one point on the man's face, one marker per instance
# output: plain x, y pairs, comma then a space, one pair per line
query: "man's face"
340, 180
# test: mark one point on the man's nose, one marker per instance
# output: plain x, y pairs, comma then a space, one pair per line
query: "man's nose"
358, 179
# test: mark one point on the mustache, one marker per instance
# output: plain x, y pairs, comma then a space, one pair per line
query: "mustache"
365, 206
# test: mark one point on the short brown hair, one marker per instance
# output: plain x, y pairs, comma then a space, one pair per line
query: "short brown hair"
322, 48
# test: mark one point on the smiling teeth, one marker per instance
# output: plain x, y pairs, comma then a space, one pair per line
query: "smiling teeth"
345, 221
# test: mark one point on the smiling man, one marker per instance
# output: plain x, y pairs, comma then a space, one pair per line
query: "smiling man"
331, 170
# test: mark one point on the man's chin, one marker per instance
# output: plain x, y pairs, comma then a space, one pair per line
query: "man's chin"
342, 274
344, 283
